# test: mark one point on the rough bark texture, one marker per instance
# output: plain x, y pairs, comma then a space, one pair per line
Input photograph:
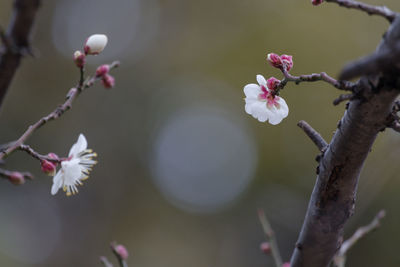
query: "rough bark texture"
16, 41
333, 198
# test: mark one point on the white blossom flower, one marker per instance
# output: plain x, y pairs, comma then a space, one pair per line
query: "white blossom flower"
95, 44
75, 168
262, 104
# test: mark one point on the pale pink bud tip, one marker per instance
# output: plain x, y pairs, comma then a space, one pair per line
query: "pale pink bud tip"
108, 81
286, 264
274, 60
273, 83
16, 178
48, 167
122, 252
53, 156
316, 2
265, 247
287, 61
102, 70
95, 44
79, 59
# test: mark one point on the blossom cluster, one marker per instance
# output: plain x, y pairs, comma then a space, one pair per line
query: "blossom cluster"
262, 100
74, 169
93, 46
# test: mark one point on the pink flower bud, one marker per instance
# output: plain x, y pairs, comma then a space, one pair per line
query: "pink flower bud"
53, 156
108, 81
102, 70
286, 264
48, 167
122, 252
316, 2
287, 61
274, 60
16, 178
265, 247
79, 59
272, 83
95, 44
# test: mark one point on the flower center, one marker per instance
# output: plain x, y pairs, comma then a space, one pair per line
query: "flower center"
268, 97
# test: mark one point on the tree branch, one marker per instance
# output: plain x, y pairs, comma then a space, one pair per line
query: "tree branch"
71, 96
370, 9
341, 98
317, 139
340, 257
16, 41
270, 235
342, 85
333, 198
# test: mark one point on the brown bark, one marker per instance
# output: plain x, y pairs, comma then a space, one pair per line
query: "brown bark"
333, 198
16, 41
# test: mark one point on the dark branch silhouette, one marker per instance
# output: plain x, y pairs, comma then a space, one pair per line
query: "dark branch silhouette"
16, 41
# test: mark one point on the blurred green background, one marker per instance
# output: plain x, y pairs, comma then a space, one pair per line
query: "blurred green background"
182, 169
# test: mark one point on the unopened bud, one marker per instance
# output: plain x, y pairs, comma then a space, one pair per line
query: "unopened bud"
122, 252
108, 81
286, 264
95, 44
48, 167
16, 178
265, 247
79, 59
316, 2
53, 156
287, 61
274, 60
272, 83
102, 70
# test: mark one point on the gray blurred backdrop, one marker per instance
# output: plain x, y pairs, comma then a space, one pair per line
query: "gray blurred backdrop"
182, 169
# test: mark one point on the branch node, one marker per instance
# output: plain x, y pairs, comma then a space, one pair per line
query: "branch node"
317, 139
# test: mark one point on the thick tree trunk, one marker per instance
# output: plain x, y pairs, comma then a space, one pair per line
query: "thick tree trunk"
333, 198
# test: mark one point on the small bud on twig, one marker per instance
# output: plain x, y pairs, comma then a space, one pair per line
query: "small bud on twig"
108, 81
95, 44
316, 2
265, 247
79, 59
16, 178
48, 167
102, 70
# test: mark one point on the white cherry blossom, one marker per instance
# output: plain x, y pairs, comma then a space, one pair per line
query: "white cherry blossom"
75, 168
262, 104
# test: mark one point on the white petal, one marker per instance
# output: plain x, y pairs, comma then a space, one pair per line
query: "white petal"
259, 111
252, 90
261, 80
275, 118
96, 43
57, 183
79, 146
283, 107
72, 171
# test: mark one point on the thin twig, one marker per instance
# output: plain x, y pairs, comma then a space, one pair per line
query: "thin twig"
341, 98
317, 139
342, 85
370, 9
71, 96
105, 262
38, 156
270, 235
340, 258
6, 174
